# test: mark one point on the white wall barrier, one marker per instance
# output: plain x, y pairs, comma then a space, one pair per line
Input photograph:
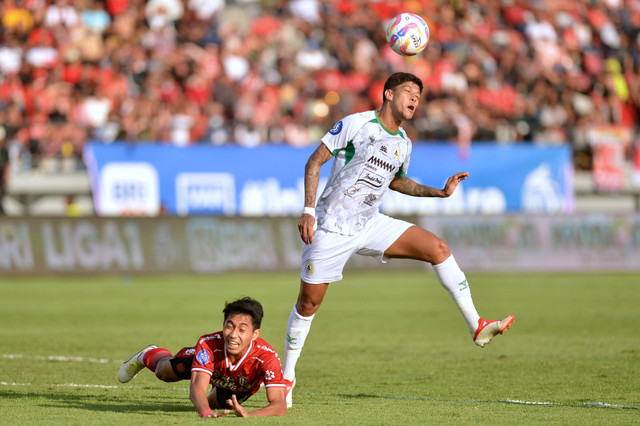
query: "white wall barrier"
212, 244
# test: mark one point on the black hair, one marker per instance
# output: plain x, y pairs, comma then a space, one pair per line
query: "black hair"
247, 306
397, 78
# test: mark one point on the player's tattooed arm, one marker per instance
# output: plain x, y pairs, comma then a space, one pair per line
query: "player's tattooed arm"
407, 186
312, 173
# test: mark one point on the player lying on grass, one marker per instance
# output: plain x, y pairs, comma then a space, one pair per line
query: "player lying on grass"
371, 154
235, 361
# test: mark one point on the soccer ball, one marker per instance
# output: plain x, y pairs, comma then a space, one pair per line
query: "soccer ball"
407, 34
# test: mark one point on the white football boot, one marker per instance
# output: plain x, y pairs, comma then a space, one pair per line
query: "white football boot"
487, 330
131, 367
289, 385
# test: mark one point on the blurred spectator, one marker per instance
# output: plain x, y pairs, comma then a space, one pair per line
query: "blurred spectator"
4, 171
251, 73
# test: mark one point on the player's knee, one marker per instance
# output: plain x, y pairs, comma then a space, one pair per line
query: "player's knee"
440, 253
307, 307
164, 370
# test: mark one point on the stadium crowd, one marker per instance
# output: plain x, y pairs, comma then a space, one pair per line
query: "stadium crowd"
252, 72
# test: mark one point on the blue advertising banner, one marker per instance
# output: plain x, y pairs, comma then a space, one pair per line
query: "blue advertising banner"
144, 179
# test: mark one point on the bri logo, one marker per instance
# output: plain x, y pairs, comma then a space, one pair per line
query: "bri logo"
337, 128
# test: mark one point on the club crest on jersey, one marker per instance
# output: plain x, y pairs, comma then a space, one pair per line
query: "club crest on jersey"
396, 152
202, 357
308, 267
337, 128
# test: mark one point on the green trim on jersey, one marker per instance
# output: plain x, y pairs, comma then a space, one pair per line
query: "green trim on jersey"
349, 152
400, 172
377, 119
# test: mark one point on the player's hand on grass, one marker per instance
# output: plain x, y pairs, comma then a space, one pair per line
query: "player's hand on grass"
306, 226
452, 183
216, 414
237, 408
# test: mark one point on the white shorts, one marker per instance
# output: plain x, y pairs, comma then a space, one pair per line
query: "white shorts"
324, 260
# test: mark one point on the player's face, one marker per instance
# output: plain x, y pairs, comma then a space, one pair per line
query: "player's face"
238, 332
406, 98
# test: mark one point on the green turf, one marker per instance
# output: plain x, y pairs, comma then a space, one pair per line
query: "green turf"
385, 348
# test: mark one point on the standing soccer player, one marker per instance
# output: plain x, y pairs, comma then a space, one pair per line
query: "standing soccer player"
235, 361
371, 154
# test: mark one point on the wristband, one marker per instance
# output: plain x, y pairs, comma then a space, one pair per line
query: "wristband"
206, 412
310, 210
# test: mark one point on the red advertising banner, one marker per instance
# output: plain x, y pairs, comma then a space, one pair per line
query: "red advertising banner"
609, 144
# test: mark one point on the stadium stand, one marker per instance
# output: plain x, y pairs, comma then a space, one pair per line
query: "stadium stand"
251, 72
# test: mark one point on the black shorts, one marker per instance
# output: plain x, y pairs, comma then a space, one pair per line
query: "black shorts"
181, 364
222, 395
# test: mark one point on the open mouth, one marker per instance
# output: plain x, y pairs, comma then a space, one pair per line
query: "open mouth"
412, 108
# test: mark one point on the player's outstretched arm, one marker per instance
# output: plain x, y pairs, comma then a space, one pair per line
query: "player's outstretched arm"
198, 395
277, 405
311, 180
407, 186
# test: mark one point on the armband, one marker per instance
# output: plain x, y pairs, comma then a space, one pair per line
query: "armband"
206, 412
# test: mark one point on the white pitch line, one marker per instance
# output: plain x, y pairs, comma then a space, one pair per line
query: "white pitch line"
64, 385
502, 401
59, 358
78, 385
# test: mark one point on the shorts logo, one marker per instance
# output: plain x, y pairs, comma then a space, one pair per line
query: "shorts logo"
308, 267
202, 357
337, 128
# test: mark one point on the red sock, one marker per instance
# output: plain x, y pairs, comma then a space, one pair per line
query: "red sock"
151, 357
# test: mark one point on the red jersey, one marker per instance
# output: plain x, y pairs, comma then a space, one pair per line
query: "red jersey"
259, 364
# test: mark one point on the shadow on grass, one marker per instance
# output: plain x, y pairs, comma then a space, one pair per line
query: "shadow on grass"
112, 403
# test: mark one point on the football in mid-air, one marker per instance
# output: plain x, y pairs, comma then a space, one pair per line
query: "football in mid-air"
407, 34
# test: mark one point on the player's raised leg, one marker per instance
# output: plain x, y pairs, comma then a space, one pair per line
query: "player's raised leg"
155, 359
309, 299
418, 243
131, 367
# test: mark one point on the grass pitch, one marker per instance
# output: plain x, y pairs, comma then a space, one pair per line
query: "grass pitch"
385, 348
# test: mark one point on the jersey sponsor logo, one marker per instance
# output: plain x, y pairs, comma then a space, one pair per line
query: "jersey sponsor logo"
371, 179
269, 375
213, 336
266, 348
391, 153
202, 357
242, 380
380, 163
337, 128
370, 200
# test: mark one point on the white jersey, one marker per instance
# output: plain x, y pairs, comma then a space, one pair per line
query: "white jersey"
367, 158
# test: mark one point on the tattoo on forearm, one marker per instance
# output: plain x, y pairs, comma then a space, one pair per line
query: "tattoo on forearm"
311, 179
409, 187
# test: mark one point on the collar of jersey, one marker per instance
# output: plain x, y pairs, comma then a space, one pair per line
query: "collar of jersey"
228, 363
382, 125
